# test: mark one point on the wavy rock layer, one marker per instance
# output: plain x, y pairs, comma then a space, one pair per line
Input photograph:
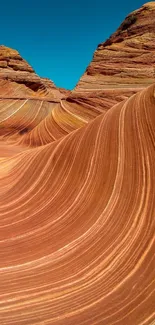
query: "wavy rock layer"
127, 58
34, 107
77, 211
77, 226
26, 100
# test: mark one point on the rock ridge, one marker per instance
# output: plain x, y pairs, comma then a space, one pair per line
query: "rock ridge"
127, 57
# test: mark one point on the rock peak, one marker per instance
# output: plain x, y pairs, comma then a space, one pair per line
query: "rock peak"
10, 60
149, 4
15, 70
128, 56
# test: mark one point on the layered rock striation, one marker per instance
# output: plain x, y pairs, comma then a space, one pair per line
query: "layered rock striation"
127, 58
77, 221
77, 195
25, 98
20, 79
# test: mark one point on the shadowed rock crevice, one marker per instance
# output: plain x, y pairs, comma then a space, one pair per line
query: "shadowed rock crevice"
23, 131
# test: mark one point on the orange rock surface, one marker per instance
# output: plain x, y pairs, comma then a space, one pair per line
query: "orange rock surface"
18, 79
127, 57
77, 197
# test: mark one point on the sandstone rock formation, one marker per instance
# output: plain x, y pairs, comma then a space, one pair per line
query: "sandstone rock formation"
16, 73
27, 101
120, 68
25, 98
77, 194
127, 58
77, 223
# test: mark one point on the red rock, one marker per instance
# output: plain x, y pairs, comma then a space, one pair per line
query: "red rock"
77, 201
71, 110
127, 58
77, 222
15, 71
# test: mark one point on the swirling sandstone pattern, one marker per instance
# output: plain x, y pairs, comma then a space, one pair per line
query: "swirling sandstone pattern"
77, 227
34, 107
77, 194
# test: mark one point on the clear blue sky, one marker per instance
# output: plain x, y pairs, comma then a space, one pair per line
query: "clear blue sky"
58, 37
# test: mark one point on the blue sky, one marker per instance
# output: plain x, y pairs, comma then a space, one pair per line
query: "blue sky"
58, 37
